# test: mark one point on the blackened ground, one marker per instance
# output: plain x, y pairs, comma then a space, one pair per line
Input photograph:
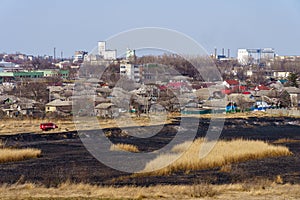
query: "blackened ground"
65, 158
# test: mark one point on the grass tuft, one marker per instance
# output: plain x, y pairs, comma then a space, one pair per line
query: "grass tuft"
124, 147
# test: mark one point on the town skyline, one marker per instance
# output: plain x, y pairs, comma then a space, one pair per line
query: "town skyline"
70, 26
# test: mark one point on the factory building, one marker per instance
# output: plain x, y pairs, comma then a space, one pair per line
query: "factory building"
255, 56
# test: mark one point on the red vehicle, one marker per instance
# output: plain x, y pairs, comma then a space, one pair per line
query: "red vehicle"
48, 126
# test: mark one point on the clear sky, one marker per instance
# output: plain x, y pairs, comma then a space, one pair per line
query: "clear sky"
37, 26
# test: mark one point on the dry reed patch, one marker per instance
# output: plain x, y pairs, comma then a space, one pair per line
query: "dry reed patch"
124, 147
285, 140
10, 155
223, 153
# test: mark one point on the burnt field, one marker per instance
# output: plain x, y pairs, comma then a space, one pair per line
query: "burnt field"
64, 157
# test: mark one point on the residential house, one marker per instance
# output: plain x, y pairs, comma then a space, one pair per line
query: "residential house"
294, 95
58, 105
231, 84
106, 110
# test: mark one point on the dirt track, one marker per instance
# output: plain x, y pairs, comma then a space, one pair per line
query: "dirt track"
64, 156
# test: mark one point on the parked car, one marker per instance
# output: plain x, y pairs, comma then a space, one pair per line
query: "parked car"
48, 126
260, 106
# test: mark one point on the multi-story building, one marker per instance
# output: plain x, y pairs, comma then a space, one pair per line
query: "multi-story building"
132, 71
79, 56
255, 56
104, 53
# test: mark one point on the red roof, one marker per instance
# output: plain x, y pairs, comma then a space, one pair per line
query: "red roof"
162, 87
262, 87
239, 88
246, 92
232, 82
226, 92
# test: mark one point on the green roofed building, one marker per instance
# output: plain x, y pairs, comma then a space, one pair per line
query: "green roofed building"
49, 72
29, 74
9, 76
64, 73
6, 77
55, 73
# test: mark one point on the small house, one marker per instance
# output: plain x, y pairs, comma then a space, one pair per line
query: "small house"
106, 110
294, 94
58, 105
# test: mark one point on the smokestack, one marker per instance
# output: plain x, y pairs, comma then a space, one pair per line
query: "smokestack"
54, 53
223, 53
61, 54
228, 53
215, 52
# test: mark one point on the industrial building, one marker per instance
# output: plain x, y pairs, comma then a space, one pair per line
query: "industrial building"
104, 53
255, 56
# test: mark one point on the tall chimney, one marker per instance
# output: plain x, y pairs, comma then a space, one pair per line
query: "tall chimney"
223, 53
54, 53
228, 53
215, 52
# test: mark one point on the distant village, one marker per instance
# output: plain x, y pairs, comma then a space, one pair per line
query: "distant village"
46, 86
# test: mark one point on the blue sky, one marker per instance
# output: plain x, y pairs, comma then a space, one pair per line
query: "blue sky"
37, 26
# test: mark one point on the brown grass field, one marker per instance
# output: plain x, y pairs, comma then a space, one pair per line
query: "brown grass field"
15, 126
10, 155
261, 189
223, 153
222, 157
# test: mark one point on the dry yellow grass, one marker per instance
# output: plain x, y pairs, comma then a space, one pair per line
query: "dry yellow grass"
124, 147
10, 155
223, 153
285, 140
14, 126
204, 191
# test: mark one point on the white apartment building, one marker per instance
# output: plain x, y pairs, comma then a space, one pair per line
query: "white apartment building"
104, 53
130, 70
